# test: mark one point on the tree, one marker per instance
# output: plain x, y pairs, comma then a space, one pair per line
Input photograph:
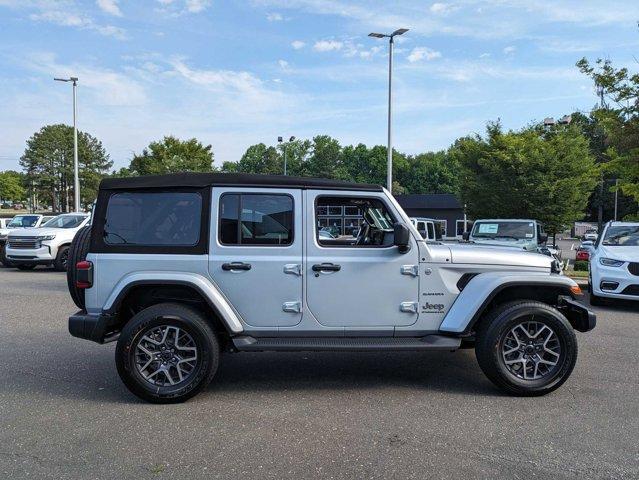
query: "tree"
528, 174
48, 165
11, 187
618, 114
172, 155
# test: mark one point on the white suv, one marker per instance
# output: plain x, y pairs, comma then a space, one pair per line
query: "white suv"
614, 265
47, 245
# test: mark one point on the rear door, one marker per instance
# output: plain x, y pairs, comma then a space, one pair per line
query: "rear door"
255, 254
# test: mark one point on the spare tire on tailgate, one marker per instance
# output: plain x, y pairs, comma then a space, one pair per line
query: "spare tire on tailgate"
78, 252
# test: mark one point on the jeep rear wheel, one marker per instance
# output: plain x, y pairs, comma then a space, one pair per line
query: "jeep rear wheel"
526, 348
167, 353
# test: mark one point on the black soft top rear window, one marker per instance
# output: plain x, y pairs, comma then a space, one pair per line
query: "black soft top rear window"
152, 221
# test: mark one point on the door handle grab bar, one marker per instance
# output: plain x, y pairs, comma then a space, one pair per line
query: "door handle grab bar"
326, 267
236, 266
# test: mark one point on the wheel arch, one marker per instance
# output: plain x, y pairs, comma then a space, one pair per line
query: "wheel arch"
136, 293
484, 292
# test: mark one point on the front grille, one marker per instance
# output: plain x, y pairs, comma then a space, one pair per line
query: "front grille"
631, 290
633, 268
24, 242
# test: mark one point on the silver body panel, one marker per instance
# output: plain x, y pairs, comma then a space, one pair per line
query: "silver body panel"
377, 292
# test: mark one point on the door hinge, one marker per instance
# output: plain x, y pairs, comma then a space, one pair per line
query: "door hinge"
293, 268
409, 307
412, 270
292, 307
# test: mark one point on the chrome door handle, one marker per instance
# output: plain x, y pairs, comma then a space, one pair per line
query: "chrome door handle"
236, 266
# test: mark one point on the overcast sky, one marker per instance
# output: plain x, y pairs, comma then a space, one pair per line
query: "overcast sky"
237, 73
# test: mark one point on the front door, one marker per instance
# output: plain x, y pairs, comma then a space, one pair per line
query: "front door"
255, 254
357, 278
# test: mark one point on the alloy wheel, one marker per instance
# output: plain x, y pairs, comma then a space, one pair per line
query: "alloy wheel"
531, 350
166, 355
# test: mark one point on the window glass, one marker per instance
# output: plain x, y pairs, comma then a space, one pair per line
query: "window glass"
364, 222
65, 221
153, 219
256, 219
622, 235
507, 230
24, 221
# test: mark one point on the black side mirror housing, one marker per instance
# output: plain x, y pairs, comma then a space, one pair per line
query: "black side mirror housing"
401, 237
543, 237
466, 236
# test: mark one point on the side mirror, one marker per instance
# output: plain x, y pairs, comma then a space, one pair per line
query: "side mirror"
401, 237
543, 237
466, 236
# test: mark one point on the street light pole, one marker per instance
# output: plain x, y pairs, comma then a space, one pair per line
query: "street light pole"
76, 172
280, 140
616, 196
389, 148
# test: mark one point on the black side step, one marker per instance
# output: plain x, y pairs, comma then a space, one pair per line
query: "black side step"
352, 344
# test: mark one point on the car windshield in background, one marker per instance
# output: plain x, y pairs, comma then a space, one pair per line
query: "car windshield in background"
23, 221
507, 230
65, 221
622, 236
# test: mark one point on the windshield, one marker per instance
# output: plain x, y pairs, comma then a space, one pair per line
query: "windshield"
23, 221
622, 236
508, 230
65, 221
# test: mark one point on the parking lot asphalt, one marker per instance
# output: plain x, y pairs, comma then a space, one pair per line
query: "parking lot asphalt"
64, 413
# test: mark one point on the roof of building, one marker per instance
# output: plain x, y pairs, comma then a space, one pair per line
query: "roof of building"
188, 179
439, 201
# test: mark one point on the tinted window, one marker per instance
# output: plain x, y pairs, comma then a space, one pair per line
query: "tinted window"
255, 219
153, 219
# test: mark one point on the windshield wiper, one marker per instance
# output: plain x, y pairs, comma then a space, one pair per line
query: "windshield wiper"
507, 236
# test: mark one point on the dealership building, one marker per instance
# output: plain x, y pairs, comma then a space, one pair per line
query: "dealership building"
444, 208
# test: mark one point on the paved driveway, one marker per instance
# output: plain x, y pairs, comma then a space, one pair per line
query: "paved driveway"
65, 415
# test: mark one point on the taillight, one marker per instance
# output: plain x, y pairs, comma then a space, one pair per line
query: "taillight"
84, 274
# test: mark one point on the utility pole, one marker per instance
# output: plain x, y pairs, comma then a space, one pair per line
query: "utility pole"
389, 148
616, 196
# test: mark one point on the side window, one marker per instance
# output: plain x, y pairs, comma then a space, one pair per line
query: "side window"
153, 219
352, 222
431, 231
256, 219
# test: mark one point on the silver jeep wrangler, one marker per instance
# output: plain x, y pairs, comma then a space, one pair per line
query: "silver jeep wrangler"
179, 268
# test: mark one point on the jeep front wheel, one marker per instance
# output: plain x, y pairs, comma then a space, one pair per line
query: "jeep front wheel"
167, 353
526, 348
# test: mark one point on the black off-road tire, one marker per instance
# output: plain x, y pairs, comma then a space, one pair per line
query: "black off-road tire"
78, 252
61, 262
25, 266
492, 332
188, 319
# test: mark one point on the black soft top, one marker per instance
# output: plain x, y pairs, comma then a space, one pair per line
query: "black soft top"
199, 180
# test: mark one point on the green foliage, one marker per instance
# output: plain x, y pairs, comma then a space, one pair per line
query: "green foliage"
11, 186
48, 165
171, 155
581, 266
547, 176
618, 115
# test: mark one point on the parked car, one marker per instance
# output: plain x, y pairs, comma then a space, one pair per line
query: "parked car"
48, 245
190, 265
614, 265
528, 235
582, 254
19, 221
426, 228
591, 235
